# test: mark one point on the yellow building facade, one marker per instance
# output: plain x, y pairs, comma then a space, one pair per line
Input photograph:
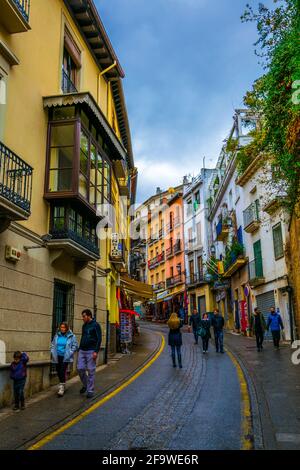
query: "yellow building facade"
66, 154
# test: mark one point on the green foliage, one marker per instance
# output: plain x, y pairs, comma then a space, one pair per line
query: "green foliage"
272, 94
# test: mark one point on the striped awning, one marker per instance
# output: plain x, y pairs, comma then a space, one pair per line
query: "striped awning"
138, 290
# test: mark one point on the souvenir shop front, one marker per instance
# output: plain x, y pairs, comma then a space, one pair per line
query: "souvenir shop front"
167, 304
128, 293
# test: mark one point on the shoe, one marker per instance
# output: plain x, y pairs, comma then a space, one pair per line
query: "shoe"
204, 351
82, 390
89, 395
61, 390
16, 409
217, 350
258, 349
174, 365
180, 366
22, 406
222, 352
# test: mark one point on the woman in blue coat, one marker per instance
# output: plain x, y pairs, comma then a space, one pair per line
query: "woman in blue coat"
175, 338
63, 348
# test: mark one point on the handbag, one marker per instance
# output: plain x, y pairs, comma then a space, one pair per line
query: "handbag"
202, 332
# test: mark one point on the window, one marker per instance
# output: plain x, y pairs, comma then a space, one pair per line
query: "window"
63, 305
171, 271
71, 64
190, 235
62, 145
278, 241
163, 276
200, 265
197, 201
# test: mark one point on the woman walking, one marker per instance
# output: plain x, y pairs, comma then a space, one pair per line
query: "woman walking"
204, 331
63, 348
175, 338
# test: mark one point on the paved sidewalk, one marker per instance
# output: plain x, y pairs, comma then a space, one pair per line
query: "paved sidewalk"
43, 414
275, 381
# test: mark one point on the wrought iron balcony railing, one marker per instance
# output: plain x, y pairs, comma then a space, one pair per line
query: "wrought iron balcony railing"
15, 179
67, 84
197, 278
177, 247
170, 252
90, 244
256, 271
173, 281
251, 217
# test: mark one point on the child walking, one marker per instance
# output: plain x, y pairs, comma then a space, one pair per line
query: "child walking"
18, 373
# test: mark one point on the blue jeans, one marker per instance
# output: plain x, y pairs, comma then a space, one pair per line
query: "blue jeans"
178, 349
219, 340
19, 391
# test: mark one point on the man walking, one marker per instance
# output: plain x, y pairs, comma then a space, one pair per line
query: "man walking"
275, 324
194, 322
218, 325
258, 327
88, 351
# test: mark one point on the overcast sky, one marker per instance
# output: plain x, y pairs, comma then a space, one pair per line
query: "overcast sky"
188, 64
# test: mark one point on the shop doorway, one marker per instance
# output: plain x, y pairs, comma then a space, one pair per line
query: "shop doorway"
201, 305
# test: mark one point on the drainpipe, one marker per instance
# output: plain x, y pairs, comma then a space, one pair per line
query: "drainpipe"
112, 66
291, 316
107, 337
95, 291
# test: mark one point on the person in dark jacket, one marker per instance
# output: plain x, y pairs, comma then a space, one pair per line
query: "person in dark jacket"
18, 373
218, 325
205, 326
194, 322
88, 352
258, 327
275, 324
175, 338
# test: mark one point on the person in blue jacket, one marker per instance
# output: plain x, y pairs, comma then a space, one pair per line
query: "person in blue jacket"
18, 373
63, 348
275, 324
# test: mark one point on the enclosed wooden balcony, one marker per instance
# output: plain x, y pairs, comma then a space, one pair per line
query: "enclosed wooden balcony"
222, 231
14, 15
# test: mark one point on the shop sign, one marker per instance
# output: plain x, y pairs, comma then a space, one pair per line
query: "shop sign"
221, 296
161, 295
222, 285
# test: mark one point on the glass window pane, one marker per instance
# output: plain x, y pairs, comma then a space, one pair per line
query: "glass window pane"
60, 180
67, 112
61, 158
83, 186
84, 163
99, 170
93, 165
99, 197
92, 194
85, 120
62, 135
72, 220
84, 143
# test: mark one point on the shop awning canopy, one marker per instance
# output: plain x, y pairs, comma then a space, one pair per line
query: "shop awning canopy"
136, 289
130, 312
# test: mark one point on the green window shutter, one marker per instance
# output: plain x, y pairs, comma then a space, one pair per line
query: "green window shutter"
278, 241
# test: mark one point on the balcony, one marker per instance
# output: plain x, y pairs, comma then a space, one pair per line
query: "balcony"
15, 186
190, 245
177, 247
153, 238
15, 15
174, 281
170, 227
72, 233
196, 279
161, 233
159, 286
177, 222
251, 218
234, 261
256, 273
152, 264
170, 252
67, 85
222, 231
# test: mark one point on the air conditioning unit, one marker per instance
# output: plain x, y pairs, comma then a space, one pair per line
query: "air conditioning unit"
12, 254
